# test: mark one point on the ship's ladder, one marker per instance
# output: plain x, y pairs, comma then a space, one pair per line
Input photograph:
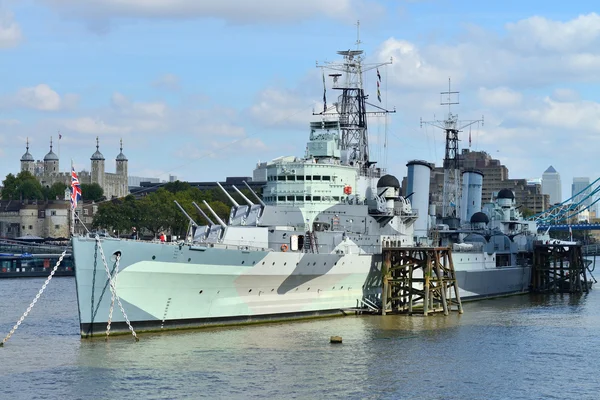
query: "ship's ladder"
311, 242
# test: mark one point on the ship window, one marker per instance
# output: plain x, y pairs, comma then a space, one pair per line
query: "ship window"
300, 178
317, 198
281, 178
291, 177
308, 177
326, 178
290, 198
299, 198
336, 198
280, 198
316, 177
308, 198
30, 226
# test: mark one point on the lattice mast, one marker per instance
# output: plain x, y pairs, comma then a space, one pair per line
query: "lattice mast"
451, 126
351, 106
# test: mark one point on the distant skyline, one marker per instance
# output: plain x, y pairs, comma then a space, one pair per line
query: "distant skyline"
205, 90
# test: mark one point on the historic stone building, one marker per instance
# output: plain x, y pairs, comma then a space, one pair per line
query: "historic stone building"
32, 218
48, 171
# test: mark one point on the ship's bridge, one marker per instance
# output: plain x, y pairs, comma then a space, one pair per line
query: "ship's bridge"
320, 178
308, 181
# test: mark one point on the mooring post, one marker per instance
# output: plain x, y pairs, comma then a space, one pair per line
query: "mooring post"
426, 278
384, 278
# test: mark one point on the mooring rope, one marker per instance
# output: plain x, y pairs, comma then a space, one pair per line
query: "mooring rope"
37, 296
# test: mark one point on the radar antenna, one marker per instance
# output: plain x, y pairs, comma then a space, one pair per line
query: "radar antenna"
351, 106
452, 126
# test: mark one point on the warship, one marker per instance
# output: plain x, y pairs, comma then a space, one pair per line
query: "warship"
310, 246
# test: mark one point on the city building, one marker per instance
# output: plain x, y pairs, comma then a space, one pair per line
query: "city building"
551, 185
580, 192
528, 193
48, 171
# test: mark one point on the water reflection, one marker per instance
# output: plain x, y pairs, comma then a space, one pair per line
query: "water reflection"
530, 347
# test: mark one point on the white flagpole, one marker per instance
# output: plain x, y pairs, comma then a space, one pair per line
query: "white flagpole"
72, 208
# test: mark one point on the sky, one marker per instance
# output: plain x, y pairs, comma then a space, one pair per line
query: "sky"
204, 90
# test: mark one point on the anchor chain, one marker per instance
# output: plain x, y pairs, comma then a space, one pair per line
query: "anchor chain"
37, 296
113, 289
115, 274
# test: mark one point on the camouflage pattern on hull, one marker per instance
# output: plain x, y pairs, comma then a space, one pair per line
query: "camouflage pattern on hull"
168, 286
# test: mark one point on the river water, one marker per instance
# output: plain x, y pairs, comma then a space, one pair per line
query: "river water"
522, 347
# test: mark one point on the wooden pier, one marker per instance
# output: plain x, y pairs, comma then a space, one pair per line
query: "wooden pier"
559, 268
419, 280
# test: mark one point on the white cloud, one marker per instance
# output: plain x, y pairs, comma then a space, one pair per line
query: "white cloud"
276, 107
124, 106
533, 52
501, 97
91, 126
541, 34
237, 11
565, 94
10, 32
40, 97
167, 82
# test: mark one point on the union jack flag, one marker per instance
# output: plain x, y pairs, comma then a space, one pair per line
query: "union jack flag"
75, 189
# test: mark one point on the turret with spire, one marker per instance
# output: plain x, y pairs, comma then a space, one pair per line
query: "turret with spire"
27, 161
122, 168
97, 165
51, 162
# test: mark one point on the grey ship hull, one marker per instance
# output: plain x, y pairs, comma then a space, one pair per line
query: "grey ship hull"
167, 286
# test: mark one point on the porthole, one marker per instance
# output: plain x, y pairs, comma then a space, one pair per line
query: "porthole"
154, 257
189, 259
324, 263
200, 292
249, 290
341, 287
273, 262
308, 289
315, 263
263, 263
284, 264
272, 290
243, 261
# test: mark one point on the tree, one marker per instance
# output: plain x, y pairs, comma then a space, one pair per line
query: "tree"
9, 186
56, 191
30, 190
526, 212
177, 186
92, 191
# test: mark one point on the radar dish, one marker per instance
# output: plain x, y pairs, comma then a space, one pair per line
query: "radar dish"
350, 53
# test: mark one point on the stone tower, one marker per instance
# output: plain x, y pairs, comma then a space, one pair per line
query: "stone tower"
51, 163
27, 161
122, 172
97, 175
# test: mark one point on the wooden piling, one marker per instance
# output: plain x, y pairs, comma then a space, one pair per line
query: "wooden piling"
419, 280
558, 268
